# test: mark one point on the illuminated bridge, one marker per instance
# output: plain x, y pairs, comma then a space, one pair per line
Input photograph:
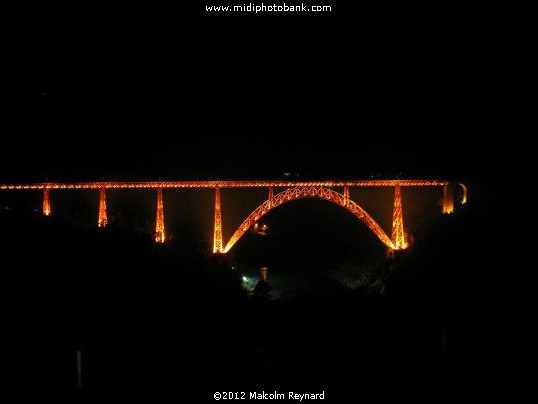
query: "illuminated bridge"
279, 192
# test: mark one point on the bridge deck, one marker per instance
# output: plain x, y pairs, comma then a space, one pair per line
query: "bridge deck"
225, 184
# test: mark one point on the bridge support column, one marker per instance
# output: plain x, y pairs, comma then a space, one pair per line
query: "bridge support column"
398, 234
448, 199
102, 220
159, 225
46, 202
346, 196
217, 231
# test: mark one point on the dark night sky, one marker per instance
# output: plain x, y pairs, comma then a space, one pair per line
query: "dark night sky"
412, 85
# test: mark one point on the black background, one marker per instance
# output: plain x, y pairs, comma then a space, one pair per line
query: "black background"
146, 92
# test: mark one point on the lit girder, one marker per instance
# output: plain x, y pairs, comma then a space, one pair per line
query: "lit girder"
309, 192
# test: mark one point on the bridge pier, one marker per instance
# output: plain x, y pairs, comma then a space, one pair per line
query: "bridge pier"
398, 234
46, 202
217, 229
448, 199
159, 225
102, 220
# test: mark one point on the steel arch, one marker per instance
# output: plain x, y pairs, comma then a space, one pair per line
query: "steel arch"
292, 194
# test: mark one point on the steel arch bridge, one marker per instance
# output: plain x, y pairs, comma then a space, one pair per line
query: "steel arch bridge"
292, 191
